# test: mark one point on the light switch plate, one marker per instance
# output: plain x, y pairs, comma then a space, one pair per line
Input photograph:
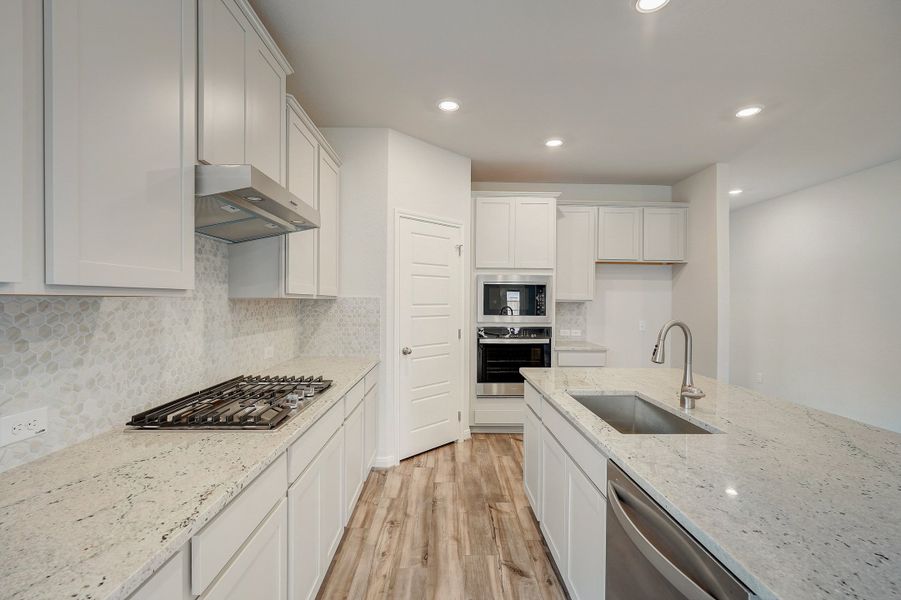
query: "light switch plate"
23, 425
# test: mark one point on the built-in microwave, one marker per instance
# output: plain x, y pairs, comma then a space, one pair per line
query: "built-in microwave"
514, 299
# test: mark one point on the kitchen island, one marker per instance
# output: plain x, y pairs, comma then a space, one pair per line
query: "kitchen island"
97, 519
797, 503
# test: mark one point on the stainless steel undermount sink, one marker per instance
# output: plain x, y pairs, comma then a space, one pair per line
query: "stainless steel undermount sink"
631, 414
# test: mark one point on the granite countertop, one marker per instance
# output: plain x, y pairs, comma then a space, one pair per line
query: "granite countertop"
817, 512
565, 345
94, 520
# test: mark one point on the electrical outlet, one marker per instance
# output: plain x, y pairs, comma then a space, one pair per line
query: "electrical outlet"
565, 333
268, 352
758, 378
21, 426
642, 326
577, 333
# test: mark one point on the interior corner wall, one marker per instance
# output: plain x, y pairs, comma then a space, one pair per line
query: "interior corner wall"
701, 285
815, 294
429, 181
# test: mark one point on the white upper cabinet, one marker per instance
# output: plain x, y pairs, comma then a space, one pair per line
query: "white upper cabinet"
619, 234
120, 131
329, 190
515, 233
223, 31
576, 230
495, 233
265, 110
535, 233
242, 90
12, 104
664, 234
302, 248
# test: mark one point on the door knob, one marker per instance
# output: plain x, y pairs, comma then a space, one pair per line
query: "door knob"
406, 351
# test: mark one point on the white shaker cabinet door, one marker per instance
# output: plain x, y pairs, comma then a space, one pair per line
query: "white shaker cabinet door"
265, 116
331, 509
370, 415
576, 230
12, 106
535, 233
619, 234
664, 234
301, 263
354, 428
554, 498
531, 438
223, 30
586, 518
120, 133
260, 569
172, 581
495, 233
329, 193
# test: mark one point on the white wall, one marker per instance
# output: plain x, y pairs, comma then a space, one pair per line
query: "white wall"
383, 170
701, 286
816, 291
625, 295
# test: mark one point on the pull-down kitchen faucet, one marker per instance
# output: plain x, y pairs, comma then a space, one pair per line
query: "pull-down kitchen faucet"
689, 393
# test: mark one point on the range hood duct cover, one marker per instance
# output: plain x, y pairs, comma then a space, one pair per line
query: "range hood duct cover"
239, 203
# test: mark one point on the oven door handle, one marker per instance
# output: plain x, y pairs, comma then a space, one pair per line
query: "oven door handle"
514, 341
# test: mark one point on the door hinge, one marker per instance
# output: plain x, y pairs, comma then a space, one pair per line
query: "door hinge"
459, 416
459, 334
459, 249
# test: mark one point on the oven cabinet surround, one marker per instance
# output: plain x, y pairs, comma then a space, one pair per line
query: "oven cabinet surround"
576, 232
515, 232
111, 216
652, 234
241, 107
565, 481
302, 264
276, 539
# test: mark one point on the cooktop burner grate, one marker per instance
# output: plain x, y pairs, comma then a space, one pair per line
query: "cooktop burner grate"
246, 402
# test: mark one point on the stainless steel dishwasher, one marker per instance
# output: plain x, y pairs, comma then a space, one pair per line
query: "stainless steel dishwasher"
651, 557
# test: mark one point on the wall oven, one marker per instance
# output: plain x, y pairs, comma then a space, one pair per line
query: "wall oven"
503, 351
514, 299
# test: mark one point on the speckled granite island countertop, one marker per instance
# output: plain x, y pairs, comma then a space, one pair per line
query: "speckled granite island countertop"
93, 521
817, 512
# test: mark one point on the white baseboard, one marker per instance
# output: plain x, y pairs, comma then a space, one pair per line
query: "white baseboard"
497, 428
466, 434
384, 462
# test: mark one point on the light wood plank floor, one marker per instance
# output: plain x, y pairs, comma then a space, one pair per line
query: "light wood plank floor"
451, 523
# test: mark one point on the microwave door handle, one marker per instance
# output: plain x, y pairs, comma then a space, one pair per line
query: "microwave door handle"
661, 563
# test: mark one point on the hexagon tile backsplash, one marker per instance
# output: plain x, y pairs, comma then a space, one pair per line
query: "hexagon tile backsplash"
96, 361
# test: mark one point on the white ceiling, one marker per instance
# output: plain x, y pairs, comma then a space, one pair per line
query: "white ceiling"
638, 98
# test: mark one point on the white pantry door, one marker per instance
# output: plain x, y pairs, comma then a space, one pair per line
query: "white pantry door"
430, 322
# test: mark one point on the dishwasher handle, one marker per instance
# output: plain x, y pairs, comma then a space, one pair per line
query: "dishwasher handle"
661, 563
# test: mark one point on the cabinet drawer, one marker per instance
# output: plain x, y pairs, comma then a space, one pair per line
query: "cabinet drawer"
214, 546
354, 397
303, 451
533, 398
589, 458
581, 359
171, 581
372, 378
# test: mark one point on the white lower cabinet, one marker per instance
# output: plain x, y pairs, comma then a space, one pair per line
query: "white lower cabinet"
314, 521
370, 430
354, 427
260, 569
571, 509
586, 516
553, 498
172, 581
532, 459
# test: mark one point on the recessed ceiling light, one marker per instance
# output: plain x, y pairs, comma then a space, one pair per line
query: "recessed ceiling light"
649, 6
749, 111
554, 143
449, 105
735, 192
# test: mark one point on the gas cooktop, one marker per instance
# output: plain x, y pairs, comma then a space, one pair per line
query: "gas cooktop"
246, 402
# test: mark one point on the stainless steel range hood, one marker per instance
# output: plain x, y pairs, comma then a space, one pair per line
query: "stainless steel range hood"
238, 203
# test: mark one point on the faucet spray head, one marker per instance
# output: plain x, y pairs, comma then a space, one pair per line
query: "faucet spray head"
658, 355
